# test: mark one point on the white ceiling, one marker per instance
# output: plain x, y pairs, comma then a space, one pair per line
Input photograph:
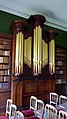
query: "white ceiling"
55, 11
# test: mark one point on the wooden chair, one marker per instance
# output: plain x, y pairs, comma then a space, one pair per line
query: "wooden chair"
39, 114
62, 114
12, 113
62, 101
53, 99
19, 115
33, 107
8, 108
50, 112
8, 104
13, 110
40, 109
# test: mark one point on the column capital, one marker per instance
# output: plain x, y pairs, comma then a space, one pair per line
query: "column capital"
18, 25
36, 20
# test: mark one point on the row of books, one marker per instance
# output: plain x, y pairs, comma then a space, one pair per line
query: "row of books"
4, 72
5, 46
4, 78
4, 66
4, 59
3, 85
4, 52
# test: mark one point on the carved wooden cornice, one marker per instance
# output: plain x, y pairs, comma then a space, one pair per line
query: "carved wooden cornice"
18, 25
36, 20
48, 35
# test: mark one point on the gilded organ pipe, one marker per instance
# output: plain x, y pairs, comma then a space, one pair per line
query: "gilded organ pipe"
19, 53
37, 50
17, 27
52, 56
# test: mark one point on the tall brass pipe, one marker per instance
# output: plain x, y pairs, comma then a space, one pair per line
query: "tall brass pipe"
52, 56
22, 49
37, 50
19, 53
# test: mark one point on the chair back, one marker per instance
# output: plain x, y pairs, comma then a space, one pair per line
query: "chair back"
62, 100
13, 110
62, 114
32, 109
50, 112
8, 106
19, 115
53, 99
33, 103
40, 109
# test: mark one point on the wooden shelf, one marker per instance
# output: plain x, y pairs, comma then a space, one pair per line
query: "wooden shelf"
5, 69
60, 65
5, 60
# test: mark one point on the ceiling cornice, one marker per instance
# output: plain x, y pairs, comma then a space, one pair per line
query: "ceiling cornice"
49, 21
56, 23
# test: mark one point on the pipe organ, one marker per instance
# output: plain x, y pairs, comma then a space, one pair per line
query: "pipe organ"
33, 57
29, 49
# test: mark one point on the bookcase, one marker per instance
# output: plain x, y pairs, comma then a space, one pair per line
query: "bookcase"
5, 49
5, 69
60, 65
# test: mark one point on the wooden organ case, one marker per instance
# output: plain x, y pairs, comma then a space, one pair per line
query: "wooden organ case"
32, 68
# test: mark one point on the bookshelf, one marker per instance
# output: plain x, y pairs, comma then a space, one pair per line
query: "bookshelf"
5, 51
60, 65
5, 70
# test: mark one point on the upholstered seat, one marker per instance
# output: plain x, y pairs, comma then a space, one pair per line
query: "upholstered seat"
4, 117
33, 106
32, 118
39, 114
28, 113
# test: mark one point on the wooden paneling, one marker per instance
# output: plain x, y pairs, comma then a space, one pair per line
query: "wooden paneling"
16, 92
61, 89
4, 95
51, 84
42, 85
29, 86
22, 90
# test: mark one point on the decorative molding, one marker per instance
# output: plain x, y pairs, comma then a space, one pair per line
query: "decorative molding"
49, 21
56, 23
13, 11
